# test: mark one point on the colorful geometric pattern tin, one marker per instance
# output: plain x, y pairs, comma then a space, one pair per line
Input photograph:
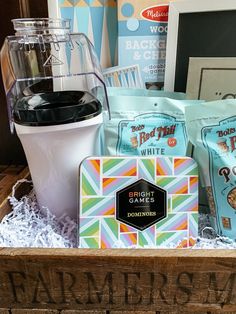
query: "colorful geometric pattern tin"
102, 177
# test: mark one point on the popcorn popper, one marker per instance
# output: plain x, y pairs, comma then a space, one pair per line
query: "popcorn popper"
56, 97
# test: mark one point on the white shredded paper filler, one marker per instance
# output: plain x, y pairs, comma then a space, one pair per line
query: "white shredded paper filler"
29, 226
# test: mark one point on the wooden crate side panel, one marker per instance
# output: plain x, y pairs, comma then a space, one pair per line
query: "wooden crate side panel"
83, 312
162, 312
35, 311
131, 312
151, 312
45, 311
164, 281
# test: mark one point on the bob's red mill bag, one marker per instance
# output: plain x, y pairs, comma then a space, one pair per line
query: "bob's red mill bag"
146, 126
211, 128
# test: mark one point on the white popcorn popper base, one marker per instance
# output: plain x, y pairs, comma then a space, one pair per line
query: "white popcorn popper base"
54, 151
56, 110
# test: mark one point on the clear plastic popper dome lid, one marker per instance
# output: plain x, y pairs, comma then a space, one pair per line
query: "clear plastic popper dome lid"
44, 57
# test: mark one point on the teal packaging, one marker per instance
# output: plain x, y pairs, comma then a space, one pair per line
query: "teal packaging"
146, 126
122, 91
212, 130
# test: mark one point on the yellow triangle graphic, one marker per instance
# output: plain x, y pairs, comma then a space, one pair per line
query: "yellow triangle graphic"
67, 3
96, 3
81, 3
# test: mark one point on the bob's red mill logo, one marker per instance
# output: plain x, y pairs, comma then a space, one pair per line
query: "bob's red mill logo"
157, 133
158, 13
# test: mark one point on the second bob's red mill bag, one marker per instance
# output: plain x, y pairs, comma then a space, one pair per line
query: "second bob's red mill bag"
211, 128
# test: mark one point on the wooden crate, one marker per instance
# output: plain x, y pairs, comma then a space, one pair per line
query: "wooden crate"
118, 281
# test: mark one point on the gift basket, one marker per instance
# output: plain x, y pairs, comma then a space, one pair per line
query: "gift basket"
128, 201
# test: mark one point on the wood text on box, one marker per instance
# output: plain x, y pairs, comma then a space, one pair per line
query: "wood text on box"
138, 288
153, 283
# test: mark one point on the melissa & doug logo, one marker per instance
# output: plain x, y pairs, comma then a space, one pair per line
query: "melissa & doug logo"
158, 13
